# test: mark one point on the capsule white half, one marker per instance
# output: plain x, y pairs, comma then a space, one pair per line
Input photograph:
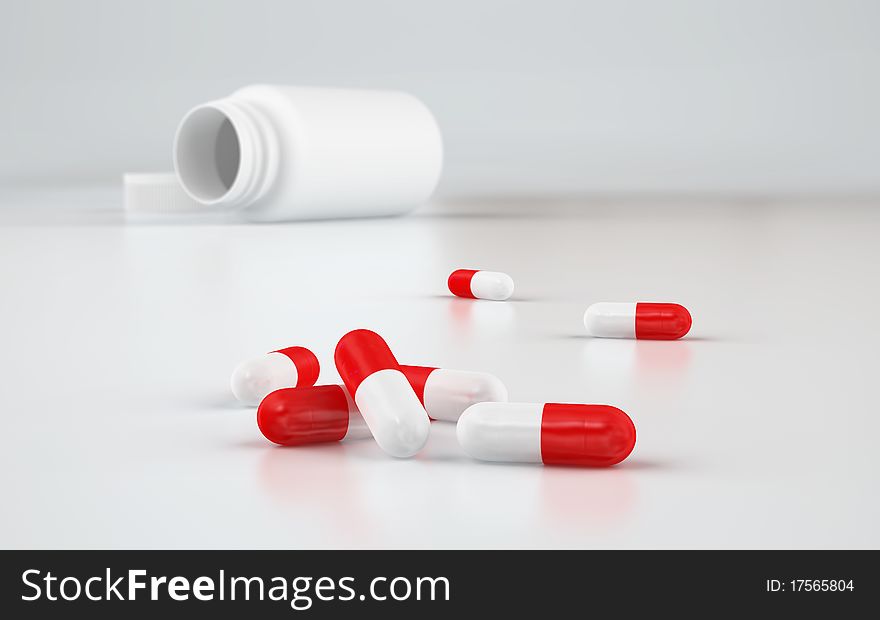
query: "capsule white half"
393, 413
511, 433
449, 392
611, 320
492, 285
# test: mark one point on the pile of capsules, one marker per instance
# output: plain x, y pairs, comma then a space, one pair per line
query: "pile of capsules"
395, 404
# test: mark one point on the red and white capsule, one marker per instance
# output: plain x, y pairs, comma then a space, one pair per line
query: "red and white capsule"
290, 367
550, 433
317, 414
479, 284
326, 413
445, 394
383, 395
645, 321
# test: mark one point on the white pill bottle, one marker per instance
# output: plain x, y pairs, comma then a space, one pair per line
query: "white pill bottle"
293, 153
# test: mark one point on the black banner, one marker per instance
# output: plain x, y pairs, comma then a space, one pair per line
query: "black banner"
279, 584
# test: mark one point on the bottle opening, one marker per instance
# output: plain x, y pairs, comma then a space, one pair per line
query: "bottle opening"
207, 154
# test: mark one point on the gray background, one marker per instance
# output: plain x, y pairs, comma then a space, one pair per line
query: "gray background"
557, 96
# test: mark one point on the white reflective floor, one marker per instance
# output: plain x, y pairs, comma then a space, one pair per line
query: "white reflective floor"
760, 430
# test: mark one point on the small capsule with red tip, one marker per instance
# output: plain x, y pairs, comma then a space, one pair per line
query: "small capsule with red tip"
644, 321
383, 395
317, 414
553, 434
479, 284
290, 367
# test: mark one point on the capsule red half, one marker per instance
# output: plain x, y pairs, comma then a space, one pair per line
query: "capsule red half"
382, 393
550, 433
645, 321
318, 414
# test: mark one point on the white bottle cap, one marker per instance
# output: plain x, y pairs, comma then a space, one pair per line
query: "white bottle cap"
157, 193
